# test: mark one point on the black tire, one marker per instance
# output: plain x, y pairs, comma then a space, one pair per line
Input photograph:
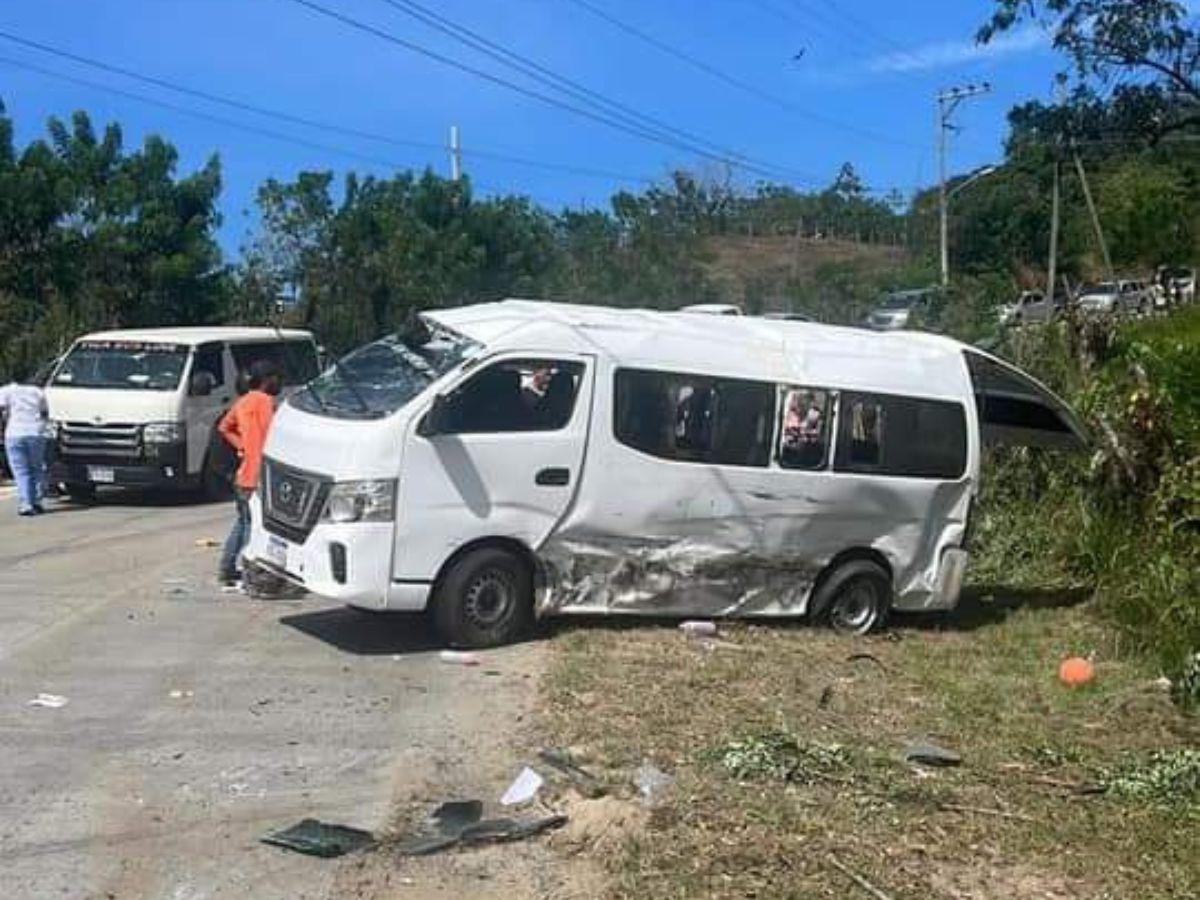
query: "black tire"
854, 598
486, 599
80, 493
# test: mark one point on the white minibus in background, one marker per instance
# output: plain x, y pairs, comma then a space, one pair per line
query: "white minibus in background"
138, 407
506, 460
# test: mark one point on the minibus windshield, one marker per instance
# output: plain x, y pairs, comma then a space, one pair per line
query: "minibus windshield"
378, 379
123, 365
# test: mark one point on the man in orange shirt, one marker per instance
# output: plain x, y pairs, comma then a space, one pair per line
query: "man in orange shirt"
245, 428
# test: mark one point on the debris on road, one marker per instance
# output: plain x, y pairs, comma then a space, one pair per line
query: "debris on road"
180, 695
315, 838
459, 657
1076, 671
49, 701
583, 780
697, 628
652, 783
928, 754
207, 542
459, 823
523, 789
455, 815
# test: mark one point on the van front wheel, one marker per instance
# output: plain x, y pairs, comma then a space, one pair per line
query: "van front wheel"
486, 599
855, 597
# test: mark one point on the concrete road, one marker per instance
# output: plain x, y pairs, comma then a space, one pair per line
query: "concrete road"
196, 721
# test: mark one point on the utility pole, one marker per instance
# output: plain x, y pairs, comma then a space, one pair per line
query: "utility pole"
1091, 205
948, 101
455, 155
1052, 267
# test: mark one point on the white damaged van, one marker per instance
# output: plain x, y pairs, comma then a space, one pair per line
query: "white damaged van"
513, 459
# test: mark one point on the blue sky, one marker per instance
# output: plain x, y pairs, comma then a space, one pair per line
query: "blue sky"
862, 91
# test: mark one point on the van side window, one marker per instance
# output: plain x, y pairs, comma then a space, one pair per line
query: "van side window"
804, 433
210, 359
516, 395
296, 359
694, 418
902, 436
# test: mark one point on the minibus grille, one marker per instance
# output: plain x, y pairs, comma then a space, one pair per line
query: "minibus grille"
292, 500
113, 441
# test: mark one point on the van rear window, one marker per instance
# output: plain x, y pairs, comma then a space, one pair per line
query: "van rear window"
695, 418
884, 434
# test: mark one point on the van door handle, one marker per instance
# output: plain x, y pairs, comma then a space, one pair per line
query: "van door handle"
556, 477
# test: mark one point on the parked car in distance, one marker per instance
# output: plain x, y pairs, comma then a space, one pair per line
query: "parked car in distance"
1178, 284
1125, 296
895, 309
1031, 307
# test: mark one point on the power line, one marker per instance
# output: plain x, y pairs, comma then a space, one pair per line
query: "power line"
731, 80
309, 122
533, 94
198, 114
549, 77
869, 30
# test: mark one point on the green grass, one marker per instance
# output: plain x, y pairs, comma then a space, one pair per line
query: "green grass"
786, 752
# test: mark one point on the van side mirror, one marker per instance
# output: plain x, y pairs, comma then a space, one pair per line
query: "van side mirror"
437, 420
201, 384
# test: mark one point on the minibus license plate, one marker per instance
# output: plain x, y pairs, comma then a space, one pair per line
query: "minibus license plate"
277, 552
101, 474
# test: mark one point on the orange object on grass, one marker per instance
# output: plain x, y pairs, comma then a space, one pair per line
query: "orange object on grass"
1076, 671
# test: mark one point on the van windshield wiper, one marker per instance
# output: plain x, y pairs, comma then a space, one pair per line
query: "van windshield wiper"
312, 392
349, 382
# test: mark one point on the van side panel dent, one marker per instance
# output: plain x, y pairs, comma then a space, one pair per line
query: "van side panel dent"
762, 560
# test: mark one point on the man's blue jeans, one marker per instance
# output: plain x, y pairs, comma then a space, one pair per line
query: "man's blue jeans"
239, 534
27, 459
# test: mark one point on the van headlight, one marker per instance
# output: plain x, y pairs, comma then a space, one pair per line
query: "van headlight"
162, 433
361, 501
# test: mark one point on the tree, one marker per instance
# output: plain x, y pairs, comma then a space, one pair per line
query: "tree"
92, 235
1156, 40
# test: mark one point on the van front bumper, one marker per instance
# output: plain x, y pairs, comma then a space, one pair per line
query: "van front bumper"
350, 562
164, 466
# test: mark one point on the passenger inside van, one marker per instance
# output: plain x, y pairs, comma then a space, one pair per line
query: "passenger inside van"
521, 395
805, 432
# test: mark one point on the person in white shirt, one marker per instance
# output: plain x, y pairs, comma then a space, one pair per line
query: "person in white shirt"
23, 405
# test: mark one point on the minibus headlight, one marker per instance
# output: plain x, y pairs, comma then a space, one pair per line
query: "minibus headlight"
162, 433
361, 501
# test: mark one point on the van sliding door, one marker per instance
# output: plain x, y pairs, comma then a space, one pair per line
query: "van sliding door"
1017, 411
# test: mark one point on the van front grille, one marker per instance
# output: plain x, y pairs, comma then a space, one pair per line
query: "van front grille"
292, 500
115, 441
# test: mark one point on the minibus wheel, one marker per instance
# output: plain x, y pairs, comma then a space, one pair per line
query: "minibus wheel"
854, 598
485, 599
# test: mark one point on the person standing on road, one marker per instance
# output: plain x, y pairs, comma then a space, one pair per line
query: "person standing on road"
245, 429
25, 412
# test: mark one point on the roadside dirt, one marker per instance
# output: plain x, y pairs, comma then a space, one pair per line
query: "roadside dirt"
482, 764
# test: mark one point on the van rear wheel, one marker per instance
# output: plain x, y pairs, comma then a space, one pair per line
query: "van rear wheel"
486, 599
855, 597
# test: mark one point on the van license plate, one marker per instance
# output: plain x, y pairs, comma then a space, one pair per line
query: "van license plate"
101, 474
277, 552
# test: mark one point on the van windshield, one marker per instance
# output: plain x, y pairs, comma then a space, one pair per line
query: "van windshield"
378, 379
123, 365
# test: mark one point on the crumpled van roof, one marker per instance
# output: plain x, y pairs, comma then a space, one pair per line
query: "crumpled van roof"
803, 353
